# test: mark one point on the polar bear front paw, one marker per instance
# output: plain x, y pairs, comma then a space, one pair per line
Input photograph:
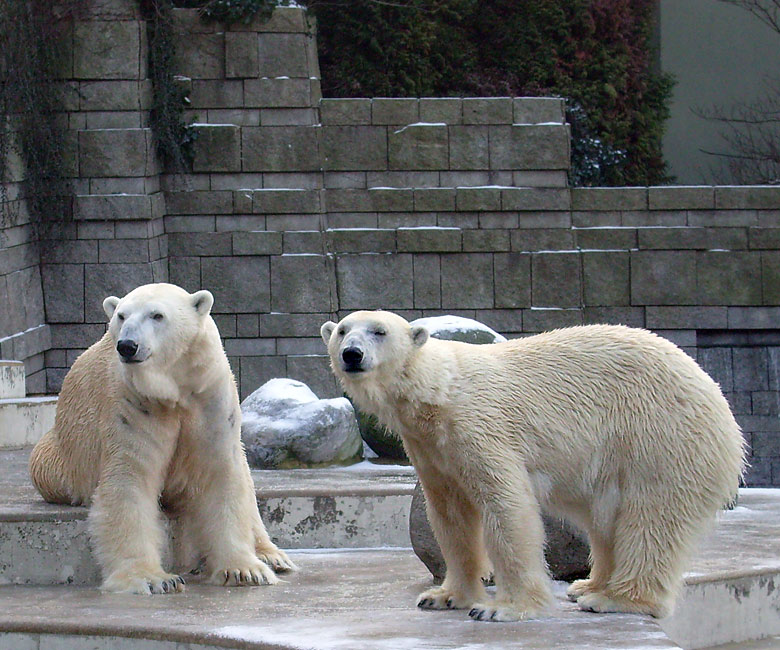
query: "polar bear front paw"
163, 583
277, 559
501, 612
579, 588
443, 598
254, 574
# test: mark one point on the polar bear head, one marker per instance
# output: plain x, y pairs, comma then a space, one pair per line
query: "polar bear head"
156, 324
368, 341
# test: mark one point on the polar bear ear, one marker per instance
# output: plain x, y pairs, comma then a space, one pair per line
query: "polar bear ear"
109, 305
203, 301
326, 330
419, 336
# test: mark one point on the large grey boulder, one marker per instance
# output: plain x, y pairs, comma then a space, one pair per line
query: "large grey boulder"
285, 425
566, 552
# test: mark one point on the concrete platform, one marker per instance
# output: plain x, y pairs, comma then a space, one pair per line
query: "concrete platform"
353, 599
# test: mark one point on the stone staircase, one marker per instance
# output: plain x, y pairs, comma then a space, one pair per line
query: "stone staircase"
23, 420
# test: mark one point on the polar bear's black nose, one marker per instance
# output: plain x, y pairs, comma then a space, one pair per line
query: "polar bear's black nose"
127, 348
352, 357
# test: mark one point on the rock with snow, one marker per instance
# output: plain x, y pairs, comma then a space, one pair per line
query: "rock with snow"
457, 328
566, 549
285, 425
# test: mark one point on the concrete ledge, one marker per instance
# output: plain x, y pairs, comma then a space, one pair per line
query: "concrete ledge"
23, 421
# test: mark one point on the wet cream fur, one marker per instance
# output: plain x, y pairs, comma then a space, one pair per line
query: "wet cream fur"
614, 428
128, 436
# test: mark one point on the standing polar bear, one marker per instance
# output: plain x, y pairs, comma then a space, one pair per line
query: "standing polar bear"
613, 428
149, 414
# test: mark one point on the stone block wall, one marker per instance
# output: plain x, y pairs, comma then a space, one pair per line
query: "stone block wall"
301, 209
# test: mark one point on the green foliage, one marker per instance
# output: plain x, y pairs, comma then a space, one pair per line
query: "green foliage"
166, 118
35, 39
595, 53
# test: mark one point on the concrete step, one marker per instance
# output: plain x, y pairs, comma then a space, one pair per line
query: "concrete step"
11, 379
24, 420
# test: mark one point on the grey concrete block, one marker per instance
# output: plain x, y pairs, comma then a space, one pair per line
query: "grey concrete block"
652, 218
531, 146
764, 238
394, 110
117, 152
434, 199
769, 218
751, 368
541, 239
427, 281
606, 279
250, 347
605, 238
717, 363
469, 147
391, 199
239, 284
765, 197
486, 241
78, 336
663, 278
543, 178
536, 110
283, 55
217, 93
109, 49
729, 278
347, 148
535, 198
542, 320
752, 318
773, 364
369, 240
609, 198
512, 278
284, 20
341, 112
630, 316
348, 200
288, 325
200, 56
70, 251
274, 201
255, 371
300, 242
478, 199
765, 403
556, 280
467, 281
770, 277
124, 250
288, 117
118, 95
487, 110
693, 238
185, 271
448, 110
345, 180
102, 280
200, 244
242, 56
63, 292
681, 198
418, 147
429, 240
375, 281
278, 93
722, 218
315, 372
112, 207
280, 148
697, 317
197, 202
217, 148
190, 223
301, 284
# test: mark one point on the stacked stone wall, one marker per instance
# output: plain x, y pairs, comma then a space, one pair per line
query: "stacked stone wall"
300, 209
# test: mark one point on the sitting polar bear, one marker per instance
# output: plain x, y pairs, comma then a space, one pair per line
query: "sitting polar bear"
150, 414
613, 428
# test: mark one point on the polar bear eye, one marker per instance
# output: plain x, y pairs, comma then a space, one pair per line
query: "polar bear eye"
157, 316
379, 332
120, 317
342, 331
